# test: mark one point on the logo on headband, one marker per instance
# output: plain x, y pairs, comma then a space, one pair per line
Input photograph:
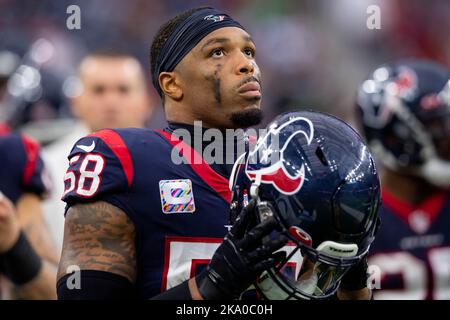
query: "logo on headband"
214, 18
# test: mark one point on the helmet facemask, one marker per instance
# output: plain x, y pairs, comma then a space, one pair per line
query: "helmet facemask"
306, 273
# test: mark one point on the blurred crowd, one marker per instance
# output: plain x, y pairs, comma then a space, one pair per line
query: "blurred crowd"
311, 52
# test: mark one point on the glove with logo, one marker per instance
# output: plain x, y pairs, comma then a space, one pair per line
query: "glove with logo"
241, 257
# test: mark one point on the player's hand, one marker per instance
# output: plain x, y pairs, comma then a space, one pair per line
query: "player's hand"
241, 257
9, 225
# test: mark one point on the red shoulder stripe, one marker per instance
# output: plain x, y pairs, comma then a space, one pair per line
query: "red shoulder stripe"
431, 206
115, 142
32, 153
200, 167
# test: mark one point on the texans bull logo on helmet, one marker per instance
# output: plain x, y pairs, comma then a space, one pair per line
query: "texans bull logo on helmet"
272, 167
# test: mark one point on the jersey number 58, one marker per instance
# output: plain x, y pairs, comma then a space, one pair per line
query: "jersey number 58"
86, 180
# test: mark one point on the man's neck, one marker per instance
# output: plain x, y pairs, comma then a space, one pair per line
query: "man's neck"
408, 188
180, 113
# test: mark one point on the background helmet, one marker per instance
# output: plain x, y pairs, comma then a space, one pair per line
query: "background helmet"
312, 172
404, 108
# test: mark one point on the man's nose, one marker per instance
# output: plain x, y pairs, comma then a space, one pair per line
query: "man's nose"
245, 65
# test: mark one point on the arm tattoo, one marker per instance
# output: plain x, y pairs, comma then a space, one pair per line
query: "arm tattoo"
99, 236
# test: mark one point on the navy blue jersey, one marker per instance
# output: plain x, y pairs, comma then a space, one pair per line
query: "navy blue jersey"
412, 249
180, 211
21, 167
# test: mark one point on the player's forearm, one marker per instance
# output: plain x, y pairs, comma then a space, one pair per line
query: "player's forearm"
193, 290
32, 223
31, 276
42, 287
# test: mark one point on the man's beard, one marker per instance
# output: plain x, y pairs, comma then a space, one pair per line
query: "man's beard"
246, 118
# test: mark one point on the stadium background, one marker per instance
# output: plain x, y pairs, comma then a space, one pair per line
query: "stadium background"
312, 53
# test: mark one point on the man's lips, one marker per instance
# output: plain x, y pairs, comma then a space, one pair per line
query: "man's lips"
250, 89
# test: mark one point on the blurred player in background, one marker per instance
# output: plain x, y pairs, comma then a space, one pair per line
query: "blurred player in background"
28, 257
405, 111
112, 94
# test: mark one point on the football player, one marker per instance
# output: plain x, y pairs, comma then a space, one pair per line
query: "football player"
28, 259
404, 108
137, 223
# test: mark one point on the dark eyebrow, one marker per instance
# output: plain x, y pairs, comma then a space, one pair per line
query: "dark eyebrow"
215, 40
249, 39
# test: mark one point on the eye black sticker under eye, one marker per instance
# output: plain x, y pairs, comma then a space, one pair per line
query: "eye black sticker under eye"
215, 80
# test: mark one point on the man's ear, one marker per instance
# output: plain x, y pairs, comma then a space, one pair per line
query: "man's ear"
169, 84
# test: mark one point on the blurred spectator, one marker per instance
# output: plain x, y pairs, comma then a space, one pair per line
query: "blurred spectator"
28, 257
110, 92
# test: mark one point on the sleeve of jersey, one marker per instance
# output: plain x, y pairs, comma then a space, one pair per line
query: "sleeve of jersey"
100, 169
34, 177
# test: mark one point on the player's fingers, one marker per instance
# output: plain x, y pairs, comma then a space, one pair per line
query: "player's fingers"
267, 249
243, 220
253, 237
264, 265
267, 263
276, 243
5, 203
270, 262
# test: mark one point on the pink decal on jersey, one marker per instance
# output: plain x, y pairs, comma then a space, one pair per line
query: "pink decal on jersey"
201, 168
115, 142
32, 152
430, 208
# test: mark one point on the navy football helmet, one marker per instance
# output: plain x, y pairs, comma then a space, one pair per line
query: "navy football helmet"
405, 111
315, 176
